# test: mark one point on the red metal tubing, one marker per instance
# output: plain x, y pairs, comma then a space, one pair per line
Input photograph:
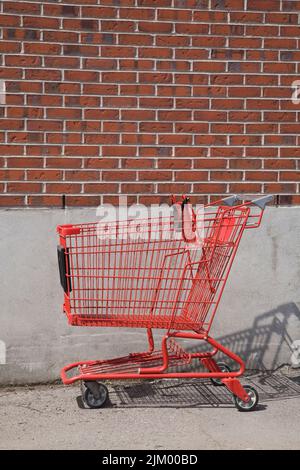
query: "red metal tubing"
136, 376
164, 366
150, 340
65, 369
202, 355
159, 372
213, 342
68, 229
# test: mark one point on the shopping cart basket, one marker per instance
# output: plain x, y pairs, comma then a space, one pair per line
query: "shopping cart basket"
165, 272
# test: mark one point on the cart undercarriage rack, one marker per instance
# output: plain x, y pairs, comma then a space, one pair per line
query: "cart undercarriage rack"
167, 273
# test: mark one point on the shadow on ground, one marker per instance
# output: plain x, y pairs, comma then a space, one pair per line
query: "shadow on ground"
199, 393
203, 393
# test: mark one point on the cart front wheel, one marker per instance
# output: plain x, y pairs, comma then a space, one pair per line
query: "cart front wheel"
95, 396
223, 368
247, 405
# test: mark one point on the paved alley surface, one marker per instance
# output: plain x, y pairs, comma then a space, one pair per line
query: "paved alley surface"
152, 415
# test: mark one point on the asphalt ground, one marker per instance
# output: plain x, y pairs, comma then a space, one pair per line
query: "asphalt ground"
159, 415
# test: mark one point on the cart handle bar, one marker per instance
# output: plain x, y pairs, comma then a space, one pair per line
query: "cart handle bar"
235, 201
256, 218
260, 202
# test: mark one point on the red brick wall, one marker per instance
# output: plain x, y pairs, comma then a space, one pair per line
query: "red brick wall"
148, 98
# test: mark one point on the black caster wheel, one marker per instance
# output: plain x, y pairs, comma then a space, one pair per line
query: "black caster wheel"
247, 405
223, 368
95, 394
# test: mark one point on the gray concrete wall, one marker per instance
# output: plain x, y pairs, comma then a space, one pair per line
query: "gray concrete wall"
259, 315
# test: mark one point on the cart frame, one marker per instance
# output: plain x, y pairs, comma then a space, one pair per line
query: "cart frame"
154, 364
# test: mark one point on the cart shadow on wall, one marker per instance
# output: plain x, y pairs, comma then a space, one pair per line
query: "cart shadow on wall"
252, 345
261, 346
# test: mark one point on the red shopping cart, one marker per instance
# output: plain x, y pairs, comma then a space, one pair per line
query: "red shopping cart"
165, 272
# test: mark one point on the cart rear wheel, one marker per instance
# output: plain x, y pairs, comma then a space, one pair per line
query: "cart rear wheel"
247, 405
223, 368
97, 397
